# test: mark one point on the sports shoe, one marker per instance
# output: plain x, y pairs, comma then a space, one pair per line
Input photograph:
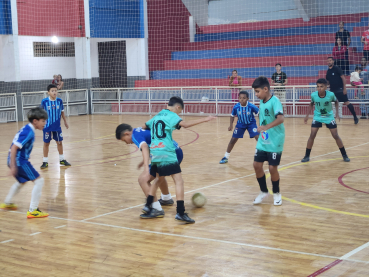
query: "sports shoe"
223, 161
44, 165
305, 159
277, 199
65, 163
9, 206
146, 209
36, 214
154, 213
169, 202
184, 218
356, 120
346, 158
260, 197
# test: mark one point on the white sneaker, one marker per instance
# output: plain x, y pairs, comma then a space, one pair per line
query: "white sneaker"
277, 199
260, 197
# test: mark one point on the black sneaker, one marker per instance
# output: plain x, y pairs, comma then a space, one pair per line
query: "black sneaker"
305, 159
169, 202
184, 218
65, 163
146, 209
44, 165
154, 213
345, 158
356, 120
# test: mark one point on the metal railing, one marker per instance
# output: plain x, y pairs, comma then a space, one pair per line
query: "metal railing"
75, 101
8, 107
208, 100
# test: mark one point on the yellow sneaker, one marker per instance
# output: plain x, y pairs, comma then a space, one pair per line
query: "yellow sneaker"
36, 214
9, 206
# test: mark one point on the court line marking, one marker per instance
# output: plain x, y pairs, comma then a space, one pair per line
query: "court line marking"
35, 233
207, 239
5, 241
324, 269
353, 252
346, 186
60, 226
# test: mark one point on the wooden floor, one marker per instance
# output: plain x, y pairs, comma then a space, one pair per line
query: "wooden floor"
94, 227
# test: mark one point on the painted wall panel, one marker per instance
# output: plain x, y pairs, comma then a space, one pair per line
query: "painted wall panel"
5, 18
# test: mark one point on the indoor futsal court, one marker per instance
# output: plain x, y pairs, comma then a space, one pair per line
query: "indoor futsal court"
94, 227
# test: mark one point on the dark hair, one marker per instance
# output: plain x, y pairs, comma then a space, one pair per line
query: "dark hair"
61, 77
234, 70
244, 92
278, 64
336, 43
175, 100
51, 86
358, 68
36, 113
363, 58
121, 129
261, 82
330, 58
322, 81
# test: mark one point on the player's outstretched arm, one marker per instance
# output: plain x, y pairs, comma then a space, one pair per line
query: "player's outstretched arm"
308, 113
231, 123
145, 155
191, 123
13, 166
276, 122
65, 120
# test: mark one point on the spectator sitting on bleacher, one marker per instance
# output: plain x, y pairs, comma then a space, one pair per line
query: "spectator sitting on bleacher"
345, 37
60, 84
365, 40
338, 54
235, 81
355, 80
55, 80
364, 64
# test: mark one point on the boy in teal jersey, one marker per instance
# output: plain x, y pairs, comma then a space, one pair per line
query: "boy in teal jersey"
164, 160
323, 113
270, 143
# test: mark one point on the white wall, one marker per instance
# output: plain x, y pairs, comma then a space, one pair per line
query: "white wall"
135, 51
342, 7
199, 10
7, 64
33, 68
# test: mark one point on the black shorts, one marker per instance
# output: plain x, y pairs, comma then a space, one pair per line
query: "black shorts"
273, 158
340, 96
317, 124
164, 170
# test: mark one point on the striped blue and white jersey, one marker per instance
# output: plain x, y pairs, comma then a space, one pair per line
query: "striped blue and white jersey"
245, 114
54, 110
24, 139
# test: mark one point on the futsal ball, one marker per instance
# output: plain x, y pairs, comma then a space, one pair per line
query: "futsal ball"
198, 199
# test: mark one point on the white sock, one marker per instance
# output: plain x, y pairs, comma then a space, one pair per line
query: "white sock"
36, 194
156, 205
227, 155
12, 192
46, 159
61, 157
166, 196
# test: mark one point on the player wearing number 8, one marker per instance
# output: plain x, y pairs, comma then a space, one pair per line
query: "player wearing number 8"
323, 113
164, 159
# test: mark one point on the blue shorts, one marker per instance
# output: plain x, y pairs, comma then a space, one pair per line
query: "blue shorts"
179, 153
240, 130
26, 172
55, 135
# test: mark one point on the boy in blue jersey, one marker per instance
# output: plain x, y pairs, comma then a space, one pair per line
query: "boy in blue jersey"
271, 140
142, 139
245, 111
323, 113
21, 168
55, 110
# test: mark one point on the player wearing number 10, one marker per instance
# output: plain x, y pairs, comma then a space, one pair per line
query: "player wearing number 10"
323, 113
271, 140
164, 160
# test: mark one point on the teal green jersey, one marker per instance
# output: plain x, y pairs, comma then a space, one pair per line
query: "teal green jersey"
161, 127
323, 106
271, 140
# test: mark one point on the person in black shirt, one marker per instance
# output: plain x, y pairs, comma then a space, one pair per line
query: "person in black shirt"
337, 82
279, 80
345, 37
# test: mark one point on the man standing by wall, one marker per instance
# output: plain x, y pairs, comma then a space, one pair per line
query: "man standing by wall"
279, 79
337, 82
345, 37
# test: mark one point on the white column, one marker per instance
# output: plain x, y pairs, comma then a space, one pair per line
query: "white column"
192, 26
146, 41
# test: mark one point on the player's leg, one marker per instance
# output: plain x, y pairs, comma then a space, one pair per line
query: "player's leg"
314, 130
58, 137
47, 139
252, 129
259, 159
34, 211
13, 191
334, 132
274, 160
166, 197
237, 133
181, 215
343, 98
